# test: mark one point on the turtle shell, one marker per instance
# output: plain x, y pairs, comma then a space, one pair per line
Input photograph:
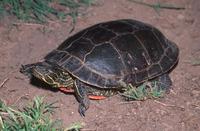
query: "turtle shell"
115, 53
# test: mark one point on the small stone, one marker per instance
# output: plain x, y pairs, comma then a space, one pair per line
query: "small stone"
181, 17
195, 93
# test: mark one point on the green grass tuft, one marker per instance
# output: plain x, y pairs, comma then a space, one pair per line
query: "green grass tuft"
143, 92
41, 10
75, 127
35, 117
32, 118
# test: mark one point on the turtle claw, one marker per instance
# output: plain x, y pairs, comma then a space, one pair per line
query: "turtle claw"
81, 110
83, 106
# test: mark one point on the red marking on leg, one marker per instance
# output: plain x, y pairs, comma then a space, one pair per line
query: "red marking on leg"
96, 97
66, 90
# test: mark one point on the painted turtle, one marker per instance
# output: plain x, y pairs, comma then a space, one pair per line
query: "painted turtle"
108, 56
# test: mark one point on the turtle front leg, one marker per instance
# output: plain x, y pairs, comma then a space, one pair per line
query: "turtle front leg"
82, 96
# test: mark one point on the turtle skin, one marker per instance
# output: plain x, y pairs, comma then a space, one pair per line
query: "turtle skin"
113, 54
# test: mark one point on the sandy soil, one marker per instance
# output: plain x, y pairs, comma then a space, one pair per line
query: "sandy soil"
180, 110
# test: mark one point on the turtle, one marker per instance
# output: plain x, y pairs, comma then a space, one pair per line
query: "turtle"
107, 57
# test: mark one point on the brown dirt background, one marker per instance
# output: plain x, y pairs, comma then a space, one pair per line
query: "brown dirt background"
179, 111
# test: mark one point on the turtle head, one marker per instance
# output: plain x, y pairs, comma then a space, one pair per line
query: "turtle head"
54, 76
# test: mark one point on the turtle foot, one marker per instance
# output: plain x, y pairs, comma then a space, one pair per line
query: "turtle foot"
82, 97
164, 82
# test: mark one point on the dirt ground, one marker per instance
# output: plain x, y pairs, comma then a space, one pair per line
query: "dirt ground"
179, 111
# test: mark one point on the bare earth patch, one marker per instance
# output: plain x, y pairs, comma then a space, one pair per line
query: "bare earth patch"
180, 110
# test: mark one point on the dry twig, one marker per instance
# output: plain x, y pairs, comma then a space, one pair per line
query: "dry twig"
4, 82
158, 5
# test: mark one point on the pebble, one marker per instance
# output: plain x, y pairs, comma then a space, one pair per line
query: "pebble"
181, 17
